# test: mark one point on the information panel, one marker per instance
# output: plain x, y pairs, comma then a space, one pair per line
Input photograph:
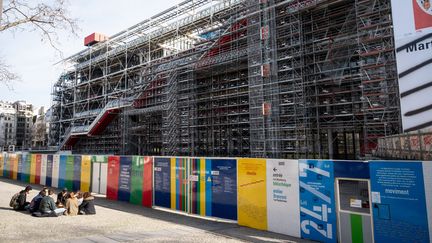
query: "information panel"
283, 210
125, 178
317, 200
398, 202
252, 193
162, 182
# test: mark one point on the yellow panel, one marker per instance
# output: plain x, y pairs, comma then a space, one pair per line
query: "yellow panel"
202, 191
85, 173
252, 202
33, 169
173, 183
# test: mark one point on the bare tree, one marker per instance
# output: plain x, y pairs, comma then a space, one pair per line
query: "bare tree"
47, 17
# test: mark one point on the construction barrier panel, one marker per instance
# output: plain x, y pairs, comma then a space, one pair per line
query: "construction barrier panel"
99, 173
401, 201
44, 160
85, 177
2, 160
32, 169
38, 168
113, 177
62, 172
76, 178
213, 185
26, 160
69, 172
13, 167
162, 182
141, 192
19, 170
56, 171
124, 183
49, 170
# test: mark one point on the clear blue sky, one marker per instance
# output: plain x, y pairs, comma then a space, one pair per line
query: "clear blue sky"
34, 60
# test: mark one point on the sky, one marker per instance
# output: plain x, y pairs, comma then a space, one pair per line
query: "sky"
33, 60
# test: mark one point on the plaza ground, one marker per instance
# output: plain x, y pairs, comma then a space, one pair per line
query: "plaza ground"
119, 222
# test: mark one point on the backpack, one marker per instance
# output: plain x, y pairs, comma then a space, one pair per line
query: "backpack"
14, 200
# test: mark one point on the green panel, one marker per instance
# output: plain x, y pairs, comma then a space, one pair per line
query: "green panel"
137, 180
99, 159
356, 228
69, 172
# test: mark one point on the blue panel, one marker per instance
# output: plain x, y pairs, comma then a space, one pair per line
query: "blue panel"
351, 169
62, 172
398, 202
76, 182
125, 178
224, 188
162, 182
49, 170
317, 200
208, 187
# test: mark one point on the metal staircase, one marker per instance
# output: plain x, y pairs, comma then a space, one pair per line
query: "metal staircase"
170, 117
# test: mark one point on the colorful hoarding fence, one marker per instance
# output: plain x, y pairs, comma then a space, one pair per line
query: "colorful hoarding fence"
85, 177
124, 183
317, 200
113, 177
162, 182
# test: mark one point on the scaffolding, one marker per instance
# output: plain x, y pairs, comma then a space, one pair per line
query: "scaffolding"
261, 78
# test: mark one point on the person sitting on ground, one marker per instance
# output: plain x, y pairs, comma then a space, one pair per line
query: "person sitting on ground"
35, 202
47, 206
20, 203
71, 205
87, 206
61, 198
79, 196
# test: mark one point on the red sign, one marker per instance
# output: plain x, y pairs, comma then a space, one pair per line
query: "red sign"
113, 177
422, 14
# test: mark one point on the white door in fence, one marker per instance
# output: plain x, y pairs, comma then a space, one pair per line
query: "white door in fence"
99, 178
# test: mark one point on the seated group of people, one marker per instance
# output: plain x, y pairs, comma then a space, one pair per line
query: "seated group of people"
68, 203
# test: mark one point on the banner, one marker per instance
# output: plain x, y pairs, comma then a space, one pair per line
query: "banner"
283, 210
317, 200
124, 178
76, 180
413, 40
56, 171
43, 169
398, 202
113, 177
49, 170
162, 182
85, 173
252, 193
214, 187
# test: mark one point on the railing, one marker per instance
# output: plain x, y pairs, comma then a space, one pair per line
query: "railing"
67, 133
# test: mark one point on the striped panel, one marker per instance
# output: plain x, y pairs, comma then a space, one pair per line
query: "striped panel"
173, 183
202, 186
1, 163
14, 166
355, 228
208, 187
38, 168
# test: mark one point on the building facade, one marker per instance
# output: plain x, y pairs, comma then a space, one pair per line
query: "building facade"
274, 78
7, 125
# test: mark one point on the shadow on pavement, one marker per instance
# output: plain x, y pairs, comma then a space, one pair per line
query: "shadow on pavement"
230, 230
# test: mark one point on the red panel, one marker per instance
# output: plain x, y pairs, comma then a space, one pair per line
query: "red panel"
113, 177
147, 182
38, 168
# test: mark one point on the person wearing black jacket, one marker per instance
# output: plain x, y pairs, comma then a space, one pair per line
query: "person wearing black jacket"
87, 206
22, 199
